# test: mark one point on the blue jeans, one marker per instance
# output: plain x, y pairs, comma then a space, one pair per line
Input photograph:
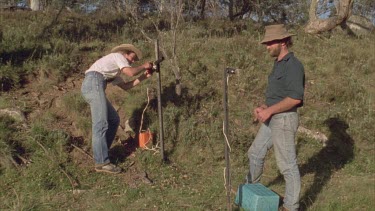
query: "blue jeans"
279, 133
105, 119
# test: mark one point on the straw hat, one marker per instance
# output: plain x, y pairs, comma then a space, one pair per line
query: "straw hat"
126, 48
275, 32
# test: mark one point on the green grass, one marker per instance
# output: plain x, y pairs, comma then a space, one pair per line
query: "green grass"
339, 103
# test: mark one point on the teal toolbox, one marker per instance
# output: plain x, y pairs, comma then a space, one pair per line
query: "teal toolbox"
256, 197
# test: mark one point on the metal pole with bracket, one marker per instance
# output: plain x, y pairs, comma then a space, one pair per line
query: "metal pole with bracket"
160, 109
228, 186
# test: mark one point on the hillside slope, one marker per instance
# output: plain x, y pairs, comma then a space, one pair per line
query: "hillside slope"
46, 161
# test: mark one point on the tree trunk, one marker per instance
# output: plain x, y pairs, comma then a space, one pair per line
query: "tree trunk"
317, 25
175, 21
203, 5
260, 13
245, 8
36, 5
231, 10
118, 5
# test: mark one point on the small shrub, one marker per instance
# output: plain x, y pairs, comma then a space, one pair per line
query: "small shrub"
6, 150
75, 103
47, 142
10, 77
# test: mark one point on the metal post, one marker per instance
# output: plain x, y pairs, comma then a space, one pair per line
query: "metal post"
226, 130
160, 109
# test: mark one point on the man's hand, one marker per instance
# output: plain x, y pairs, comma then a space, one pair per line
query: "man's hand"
260, 114
255, 112
265, 112
263, 115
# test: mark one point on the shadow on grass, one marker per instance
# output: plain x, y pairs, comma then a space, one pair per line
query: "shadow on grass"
119, 152
333, 157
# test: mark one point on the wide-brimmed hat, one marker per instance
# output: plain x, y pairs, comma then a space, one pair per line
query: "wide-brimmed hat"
275, 32
128, 47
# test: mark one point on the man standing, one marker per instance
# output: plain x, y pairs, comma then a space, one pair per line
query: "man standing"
105, 119
279, 116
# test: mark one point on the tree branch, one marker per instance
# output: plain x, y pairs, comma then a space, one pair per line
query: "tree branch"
317, 25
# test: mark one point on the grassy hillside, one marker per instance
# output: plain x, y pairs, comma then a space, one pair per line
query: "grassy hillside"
45, 162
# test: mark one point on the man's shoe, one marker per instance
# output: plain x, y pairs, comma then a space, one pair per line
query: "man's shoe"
108, 168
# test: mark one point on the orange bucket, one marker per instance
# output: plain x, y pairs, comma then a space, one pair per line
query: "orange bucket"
144, 138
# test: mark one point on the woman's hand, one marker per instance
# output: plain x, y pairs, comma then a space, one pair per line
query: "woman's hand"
148, 73
147, 65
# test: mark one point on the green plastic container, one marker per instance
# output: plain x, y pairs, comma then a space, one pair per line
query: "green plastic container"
256, 197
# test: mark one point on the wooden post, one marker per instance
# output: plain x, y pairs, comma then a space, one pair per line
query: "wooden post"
160, 109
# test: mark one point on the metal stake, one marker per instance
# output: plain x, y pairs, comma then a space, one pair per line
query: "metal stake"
160, 109
228, 186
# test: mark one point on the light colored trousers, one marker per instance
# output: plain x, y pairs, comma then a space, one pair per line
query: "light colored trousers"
105, 119
279, 133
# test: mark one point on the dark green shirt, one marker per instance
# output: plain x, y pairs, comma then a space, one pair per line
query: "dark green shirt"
286, 80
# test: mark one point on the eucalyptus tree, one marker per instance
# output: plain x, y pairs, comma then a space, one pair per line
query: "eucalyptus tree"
36, 5
318, 24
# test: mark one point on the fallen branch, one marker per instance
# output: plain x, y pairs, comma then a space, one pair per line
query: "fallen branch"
17, 197
24, 160
155, 148
14, 162
72, 183
315, 135
83, 151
